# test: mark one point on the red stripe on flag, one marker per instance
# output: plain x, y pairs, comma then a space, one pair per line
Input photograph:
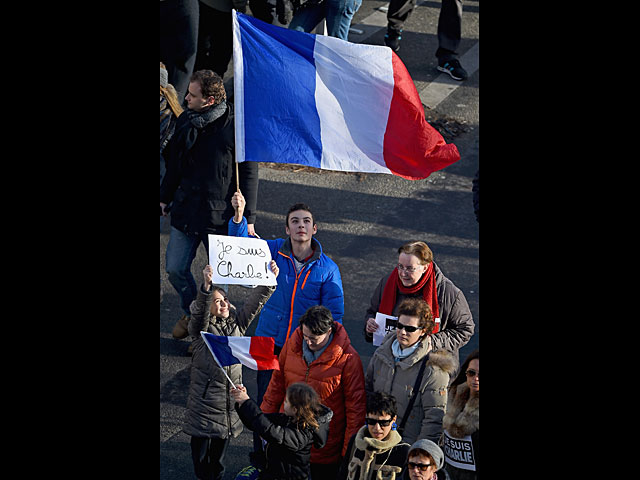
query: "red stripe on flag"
413, 149
261, 349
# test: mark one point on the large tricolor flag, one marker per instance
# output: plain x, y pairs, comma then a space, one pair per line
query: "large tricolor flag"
253, 352
323, 102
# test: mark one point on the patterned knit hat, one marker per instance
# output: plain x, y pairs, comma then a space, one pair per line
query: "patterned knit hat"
164, 75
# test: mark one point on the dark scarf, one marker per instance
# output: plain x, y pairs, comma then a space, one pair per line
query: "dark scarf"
187, 135
427, 284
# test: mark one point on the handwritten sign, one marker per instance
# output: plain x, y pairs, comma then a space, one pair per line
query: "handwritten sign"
240, 261
386, 324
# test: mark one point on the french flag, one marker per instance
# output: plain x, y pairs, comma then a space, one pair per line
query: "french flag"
323, 102
253, 352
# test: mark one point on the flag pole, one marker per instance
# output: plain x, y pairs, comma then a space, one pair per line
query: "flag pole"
235, 116
216, 359
225, 373
237, 176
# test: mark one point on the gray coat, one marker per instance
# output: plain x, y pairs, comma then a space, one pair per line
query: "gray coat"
456, 322
210, 407
386, 375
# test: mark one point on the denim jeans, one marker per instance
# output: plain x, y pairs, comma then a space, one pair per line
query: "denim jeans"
181, 250
337, 12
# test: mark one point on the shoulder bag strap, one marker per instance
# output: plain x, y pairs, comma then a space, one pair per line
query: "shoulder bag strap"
412, 400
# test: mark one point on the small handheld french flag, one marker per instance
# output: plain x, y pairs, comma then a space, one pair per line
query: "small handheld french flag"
252, 352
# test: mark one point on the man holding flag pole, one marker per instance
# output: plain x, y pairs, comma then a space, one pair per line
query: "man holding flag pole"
200, 179
218, 327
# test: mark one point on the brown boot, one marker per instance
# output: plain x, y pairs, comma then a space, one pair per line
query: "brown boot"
181, 329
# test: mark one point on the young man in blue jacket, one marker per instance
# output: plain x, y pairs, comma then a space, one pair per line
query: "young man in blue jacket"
307, 278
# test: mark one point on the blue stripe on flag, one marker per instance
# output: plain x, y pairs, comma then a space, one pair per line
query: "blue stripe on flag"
220, 346
279, 89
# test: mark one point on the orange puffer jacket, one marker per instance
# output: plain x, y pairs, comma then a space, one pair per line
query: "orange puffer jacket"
338, 377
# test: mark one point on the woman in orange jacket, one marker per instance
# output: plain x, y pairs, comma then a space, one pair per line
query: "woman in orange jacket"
320, 354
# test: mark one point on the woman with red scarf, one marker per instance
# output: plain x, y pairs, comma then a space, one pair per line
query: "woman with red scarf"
417, 275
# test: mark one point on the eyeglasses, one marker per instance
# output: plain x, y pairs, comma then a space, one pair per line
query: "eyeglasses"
422, 466
373, 421
402, 268
472, 373
407, 328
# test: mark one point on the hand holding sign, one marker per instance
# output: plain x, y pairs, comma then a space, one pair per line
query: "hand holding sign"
386, 324
207, 273
241, 261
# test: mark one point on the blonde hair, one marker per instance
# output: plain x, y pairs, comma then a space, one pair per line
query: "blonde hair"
171, 95
169, 92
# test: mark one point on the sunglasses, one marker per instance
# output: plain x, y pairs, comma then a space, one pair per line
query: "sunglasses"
421, 466
407, 328
472, 373
373, 421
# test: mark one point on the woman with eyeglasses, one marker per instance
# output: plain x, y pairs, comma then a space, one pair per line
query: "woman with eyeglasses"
417, 276
461, 437
425, 462
407, 366
377, 449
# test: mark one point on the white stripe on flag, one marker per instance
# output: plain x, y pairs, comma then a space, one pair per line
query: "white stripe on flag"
354, 87
238, 90
240, 347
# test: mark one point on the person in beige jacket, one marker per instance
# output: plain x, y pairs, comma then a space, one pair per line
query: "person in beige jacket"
396, 364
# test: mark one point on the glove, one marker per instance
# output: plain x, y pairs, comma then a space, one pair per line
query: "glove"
284, 11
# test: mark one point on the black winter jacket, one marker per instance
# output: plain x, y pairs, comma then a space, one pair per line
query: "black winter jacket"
202, 182
288, 450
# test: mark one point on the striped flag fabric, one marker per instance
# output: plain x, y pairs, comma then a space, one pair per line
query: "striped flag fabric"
252, 352
327, 103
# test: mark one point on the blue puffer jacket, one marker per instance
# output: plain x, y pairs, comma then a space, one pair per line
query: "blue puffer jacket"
318, 283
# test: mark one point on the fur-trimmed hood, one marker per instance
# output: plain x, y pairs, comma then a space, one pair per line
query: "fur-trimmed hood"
386, 375
444, 360
463, 412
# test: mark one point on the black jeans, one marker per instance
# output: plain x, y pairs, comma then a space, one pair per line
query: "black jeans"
449, 23
179, 41
208, 457
215, 40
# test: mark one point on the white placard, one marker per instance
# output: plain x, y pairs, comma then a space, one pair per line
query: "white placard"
386, 324
459, 452
240, 261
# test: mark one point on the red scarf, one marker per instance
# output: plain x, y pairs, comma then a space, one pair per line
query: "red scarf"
427, 284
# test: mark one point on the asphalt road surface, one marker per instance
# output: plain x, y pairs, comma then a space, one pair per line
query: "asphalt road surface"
362, 220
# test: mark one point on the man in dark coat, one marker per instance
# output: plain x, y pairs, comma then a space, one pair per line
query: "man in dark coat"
200, 180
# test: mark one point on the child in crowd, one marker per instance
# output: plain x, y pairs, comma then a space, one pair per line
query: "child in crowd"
209, 420
289, 435
377, 449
